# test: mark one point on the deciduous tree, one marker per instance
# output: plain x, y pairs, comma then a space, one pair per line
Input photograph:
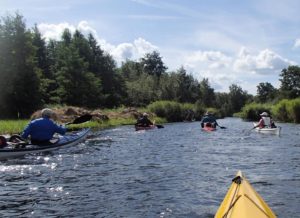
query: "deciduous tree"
290, 82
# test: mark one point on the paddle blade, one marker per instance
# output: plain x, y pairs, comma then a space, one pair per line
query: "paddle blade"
81, 119
159, 126
222, 127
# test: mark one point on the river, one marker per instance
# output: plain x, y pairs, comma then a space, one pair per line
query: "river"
177, 171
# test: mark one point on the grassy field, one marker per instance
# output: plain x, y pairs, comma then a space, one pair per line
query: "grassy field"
12, 126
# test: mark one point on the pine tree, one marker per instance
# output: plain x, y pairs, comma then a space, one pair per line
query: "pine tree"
19, 73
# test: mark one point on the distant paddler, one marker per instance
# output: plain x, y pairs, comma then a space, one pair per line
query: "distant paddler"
209, 119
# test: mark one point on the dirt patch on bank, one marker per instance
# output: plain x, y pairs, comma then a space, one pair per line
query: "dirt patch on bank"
69, 113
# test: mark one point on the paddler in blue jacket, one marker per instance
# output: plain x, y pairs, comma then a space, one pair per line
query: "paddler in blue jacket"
209, 118
41, 130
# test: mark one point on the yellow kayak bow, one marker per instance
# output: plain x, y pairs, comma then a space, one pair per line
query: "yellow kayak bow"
242, 201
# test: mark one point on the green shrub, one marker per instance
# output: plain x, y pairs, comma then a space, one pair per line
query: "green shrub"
217, 114
293, 108
251, 111
176, 112
12, 126
170, 110
280, 111
199, 111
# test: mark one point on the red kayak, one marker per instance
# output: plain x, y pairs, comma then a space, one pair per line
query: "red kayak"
208, 127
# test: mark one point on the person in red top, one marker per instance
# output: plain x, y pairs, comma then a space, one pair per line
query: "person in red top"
265, 121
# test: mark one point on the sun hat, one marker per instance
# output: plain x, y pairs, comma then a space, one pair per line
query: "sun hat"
47, 112
264, 114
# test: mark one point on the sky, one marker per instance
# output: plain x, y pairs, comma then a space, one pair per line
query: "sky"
227, 41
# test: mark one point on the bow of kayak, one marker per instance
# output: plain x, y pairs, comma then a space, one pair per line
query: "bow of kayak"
208, 129
242, 201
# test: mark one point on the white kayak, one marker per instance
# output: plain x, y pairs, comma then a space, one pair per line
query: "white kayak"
268, 130
62, 141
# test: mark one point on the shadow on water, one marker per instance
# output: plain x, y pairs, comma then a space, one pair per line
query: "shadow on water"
177, 171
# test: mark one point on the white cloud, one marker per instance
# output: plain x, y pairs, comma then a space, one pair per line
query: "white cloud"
245, 69
211, 59
297, 43
54, 31
138, 48
123, 51
266, 62
132, 51
143, 46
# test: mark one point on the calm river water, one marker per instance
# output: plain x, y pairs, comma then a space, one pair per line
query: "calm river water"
178, 171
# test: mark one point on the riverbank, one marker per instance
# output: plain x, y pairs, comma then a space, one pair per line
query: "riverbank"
101, 119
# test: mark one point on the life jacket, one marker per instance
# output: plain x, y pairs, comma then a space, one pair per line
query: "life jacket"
267, 121
208, 124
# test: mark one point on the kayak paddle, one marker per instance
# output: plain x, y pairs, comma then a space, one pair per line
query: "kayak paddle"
82, 119
221, 127
158, 126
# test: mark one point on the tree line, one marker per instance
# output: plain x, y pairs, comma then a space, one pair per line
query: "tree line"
76, 71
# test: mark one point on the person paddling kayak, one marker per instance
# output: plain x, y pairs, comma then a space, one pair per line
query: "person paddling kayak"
144, 121
209, 119
41, 130
265, 121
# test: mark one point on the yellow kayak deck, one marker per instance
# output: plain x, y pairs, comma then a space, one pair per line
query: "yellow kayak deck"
242, 201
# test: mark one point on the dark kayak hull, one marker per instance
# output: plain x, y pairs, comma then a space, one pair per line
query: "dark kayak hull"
63, 141
138, 128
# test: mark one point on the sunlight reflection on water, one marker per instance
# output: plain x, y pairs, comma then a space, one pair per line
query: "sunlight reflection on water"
177, 171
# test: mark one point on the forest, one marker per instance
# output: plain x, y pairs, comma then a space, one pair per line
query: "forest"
76, 71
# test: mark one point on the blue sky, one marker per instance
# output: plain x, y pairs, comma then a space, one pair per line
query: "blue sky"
227, 41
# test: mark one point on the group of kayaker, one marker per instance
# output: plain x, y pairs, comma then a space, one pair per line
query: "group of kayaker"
41, 130
209, 120
266, 121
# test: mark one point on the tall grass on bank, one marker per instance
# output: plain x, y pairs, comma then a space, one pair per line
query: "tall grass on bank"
12, 126
177, 112
252, 111
281, 110
294, 110
170, 110
104, 124
286, 110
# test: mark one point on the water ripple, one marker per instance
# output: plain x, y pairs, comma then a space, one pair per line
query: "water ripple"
177, 171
